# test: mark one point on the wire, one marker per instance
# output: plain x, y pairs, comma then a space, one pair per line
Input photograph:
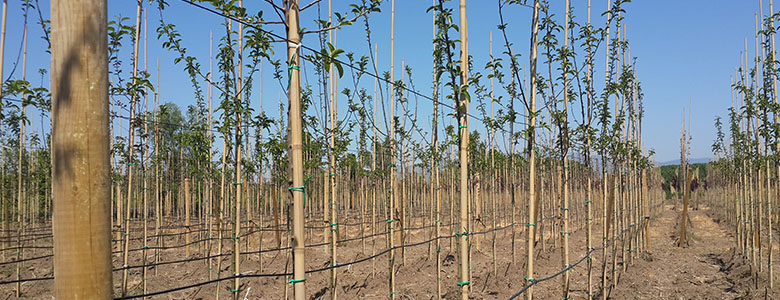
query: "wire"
353, 67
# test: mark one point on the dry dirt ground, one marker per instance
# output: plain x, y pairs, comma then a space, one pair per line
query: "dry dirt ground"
708, 269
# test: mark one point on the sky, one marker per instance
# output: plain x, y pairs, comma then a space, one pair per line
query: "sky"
686, 54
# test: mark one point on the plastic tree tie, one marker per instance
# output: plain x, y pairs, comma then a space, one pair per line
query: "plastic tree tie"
529, 279
462, 283
462, 126
294, 281
290, 67
301, 189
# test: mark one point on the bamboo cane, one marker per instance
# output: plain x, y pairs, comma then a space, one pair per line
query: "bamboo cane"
565, 205
130, 160
394, 183
463, 159
144, 169
296, 153
532, 157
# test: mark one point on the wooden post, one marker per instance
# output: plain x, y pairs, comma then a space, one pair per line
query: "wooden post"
531, 226
296, 150
81, 180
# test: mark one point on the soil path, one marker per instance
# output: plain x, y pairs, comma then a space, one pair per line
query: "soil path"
708, 269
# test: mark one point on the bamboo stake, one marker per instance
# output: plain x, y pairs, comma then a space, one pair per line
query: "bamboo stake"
6, 210
131, 137
221, 216
394, 183
589, 196
403, 215
145, 168
187, 208
758, 197
531, 154
20, 219
771, 201
238, 183
375, 148
606, 213
332, 163
157, 191
81, 178
463, 159
210, 196
435, 185
565, 143
296, 151
495, 174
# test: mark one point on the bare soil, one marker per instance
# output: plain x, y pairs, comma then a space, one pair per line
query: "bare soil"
708, 269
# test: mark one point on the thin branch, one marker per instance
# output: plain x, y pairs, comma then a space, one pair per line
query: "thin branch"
310, 4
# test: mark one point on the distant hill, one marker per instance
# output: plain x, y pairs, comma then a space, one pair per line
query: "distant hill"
702, 160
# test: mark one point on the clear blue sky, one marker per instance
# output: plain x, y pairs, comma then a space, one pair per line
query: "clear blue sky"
685, 49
